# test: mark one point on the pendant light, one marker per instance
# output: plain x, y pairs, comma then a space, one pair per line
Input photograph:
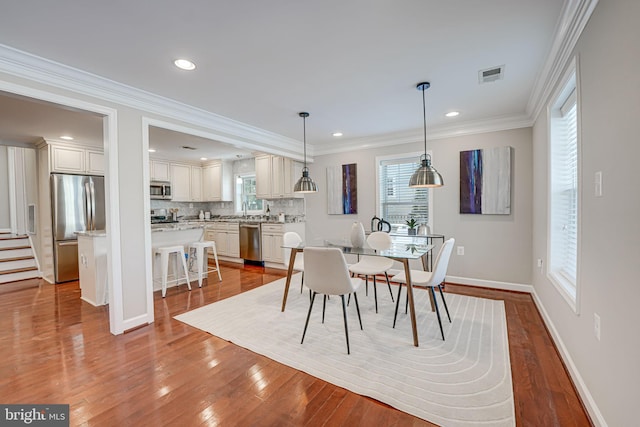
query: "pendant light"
305, 184
426, 175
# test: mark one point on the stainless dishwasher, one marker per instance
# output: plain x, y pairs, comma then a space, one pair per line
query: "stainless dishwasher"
250, 247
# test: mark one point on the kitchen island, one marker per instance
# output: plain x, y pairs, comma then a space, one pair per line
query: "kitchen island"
92, 266
172, 235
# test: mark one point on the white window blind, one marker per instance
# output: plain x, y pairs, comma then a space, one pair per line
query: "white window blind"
399, 202
564, 198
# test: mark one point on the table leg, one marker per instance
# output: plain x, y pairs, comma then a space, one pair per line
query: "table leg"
412, 309
292, 259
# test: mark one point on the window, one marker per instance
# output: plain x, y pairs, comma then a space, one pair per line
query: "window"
563, 191
246, 195
396, 201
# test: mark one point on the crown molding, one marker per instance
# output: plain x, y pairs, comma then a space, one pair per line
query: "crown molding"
449, 131
27, 66
574, 18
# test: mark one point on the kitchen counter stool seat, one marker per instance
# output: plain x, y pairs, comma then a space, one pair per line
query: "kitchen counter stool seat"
178, 252
200, 250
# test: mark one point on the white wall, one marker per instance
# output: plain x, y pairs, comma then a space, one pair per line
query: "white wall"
606, 371
5, 220
497, 247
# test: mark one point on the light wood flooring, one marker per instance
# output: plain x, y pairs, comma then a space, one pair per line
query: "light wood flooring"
55, 348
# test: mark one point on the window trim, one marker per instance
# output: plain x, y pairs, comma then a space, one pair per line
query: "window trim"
238, 203
561, 94
416, 155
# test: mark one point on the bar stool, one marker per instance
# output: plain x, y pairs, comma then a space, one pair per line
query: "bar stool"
200, 252
165, 252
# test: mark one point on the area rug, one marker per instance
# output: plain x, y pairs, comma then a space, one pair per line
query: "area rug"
463, 381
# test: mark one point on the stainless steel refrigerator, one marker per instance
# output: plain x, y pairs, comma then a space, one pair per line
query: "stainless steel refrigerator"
77, 204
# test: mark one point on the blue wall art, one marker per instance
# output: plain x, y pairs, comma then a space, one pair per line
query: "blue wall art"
342, 189
485, 181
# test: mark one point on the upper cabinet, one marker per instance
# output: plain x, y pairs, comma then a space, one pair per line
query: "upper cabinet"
159, 170
77, 160
67, 158
186, 183
217, 182
276, 176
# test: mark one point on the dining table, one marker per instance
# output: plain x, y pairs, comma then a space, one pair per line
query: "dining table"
403, 249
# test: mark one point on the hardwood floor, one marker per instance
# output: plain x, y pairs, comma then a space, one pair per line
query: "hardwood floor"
56, 348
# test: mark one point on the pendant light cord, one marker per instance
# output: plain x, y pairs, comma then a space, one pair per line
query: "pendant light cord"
304, 138
424, 116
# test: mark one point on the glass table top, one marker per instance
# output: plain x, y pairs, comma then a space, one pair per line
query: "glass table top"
402, 247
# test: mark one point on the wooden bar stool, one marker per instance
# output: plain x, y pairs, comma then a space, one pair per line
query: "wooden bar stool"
165, 252
200, 252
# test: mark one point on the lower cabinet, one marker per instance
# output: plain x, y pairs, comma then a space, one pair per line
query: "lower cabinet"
272, 240
227, 238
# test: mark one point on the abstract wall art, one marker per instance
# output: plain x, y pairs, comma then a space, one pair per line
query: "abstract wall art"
485, 181
342, 189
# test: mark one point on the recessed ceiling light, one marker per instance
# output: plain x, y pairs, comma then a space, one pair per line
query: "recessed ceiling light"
184, 64
67, 137
152, 150
452, 114
336, 134
203, 158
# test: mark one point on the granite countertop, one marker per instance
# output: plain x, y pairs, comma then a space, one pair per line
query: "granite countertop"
250, 218
176, 226
95, 233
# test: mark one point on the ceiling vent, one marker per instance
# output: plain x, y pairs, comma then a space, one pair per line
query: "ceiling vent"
186, 147
491, 74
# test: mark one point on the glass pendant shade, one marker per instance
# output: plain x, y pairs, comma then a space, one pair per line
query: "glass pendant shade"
426, 175
305, 184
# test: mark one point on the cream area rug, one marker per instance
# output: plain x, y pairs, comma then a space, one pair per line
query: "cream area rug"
463, 381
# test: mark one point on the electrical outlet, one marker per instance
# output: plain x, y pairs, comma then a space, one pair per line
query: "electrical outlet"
190, 205
539, 263
460, 250
596, 325
598, 184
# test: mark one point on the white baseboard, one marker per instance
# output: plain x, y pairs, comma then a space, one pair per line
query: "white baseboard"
505, 286
5, 230
587, 399
135, 322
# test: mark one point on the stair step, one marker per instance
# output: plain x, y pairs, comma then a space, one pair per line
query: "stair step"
12, 243
17, 263
18, 252
9, 236
17, 270
21, 274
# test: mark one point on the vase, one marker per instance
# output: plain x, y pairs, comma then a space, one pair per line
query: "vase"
357, 235
411, 232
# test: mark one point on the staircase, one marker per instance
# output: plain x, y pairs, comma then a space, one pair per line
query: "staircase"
16, 258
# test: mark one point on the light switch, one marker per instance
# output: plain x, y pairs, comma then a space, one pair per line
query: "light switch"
598, 184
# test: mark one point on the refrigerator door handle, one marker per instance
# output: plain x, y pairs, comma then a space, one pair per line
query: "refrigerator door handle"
87, 205
92, 192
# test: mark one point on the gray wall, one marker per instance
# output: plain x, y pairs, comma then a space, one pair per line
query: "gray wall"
5, 220
609, 64
497, 247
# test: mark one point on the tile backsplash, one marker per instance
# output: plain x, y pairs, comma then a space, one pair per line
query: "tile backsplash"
290, 207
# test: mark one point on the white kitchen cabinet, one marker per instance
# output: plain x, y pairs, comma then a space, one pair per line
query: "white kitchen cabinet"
92, 268
227, 238
217, 182
196, 184
75, 159
159, 170
263, 177
272, 240
276, 176
181, 182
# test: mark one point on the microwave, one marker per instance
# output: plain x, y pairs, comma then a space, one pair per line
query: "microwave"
160, 190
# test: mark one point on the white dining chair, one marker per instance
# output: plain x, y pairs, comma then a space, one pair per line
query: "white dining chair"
290, 239
430, 280
327, 274
373, 265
